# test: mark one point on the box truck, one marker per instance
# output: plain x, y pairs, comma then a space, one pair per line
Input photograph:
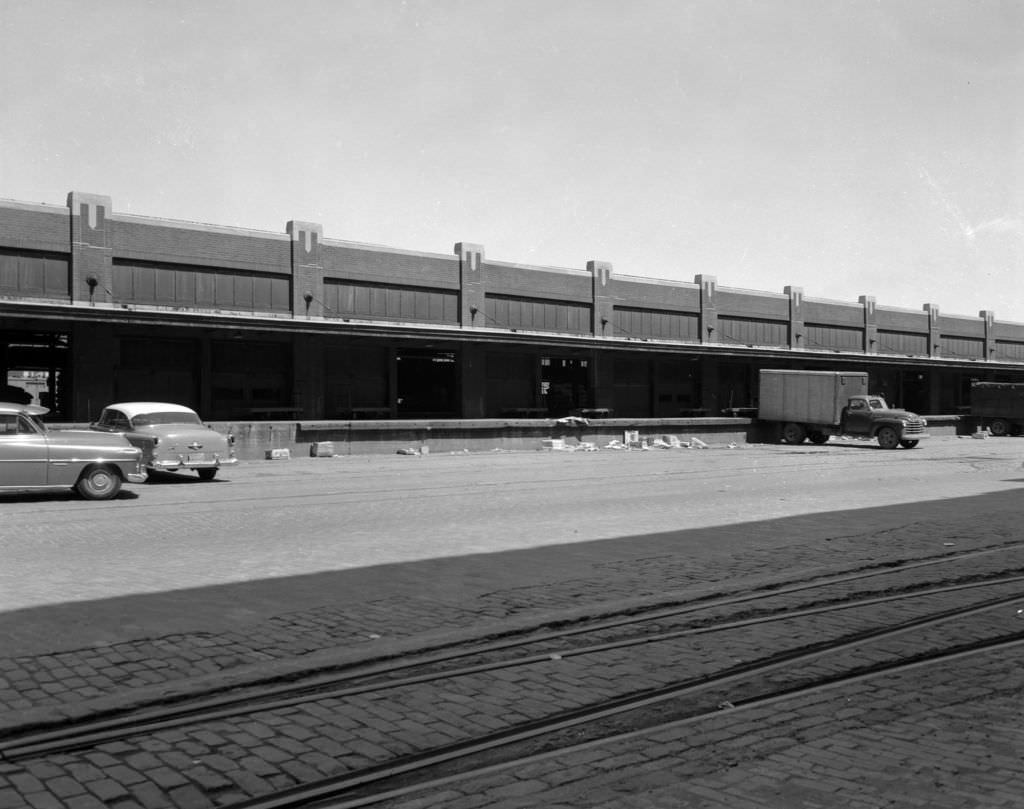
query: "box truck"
817, 404
999, 406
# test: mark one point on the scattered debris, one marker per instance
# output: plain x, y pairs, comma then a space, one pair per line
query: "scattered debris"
696, 442
564, 445
572, 421
279, 454
981, 433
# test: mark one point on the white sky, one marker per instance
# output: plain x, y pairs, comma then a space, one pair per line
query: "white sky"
849, 147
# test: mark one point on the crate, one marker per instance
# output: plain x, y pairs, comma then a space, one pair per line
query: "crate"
321, 449
279, 454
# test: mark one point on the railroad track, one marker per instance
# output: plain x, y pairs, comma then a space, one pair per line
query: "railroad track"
388, 726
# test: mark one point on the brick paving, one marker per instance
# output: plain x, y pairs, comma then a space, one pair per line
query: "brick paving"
901, 740
102, 676
185, 769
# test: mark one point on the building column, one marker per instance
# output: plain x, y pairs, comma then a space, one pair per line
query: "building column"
308, 384
471, 284
709, 386
602, 305
934, 333
602, 379
796, 317
307, 268
990, 337
708, 308
95, 353
92, 265
870, 324
472, 381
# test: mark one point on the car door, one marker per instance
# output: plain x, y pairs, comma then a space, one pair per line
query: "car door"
24, 452
857, 418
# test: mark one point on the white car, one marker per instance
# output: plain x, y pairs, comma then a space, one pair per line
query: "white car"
172, 437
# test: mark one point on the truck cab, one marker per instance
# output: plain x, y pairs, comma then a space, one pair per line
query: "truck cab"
870, 415
857, 413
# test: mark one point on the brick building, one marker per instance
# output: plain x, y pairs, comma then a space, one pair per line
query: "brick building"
251, 325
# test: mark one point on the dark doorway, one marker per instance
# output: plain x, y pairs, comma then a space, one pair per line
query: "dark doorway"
33, 370
157, 370
564, 385
428, 384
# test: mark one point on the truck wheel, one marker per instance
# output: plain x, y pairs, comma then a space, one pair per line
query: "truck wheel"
818, 437
888, 438
908, 444
99, 483
793, 433
999, 427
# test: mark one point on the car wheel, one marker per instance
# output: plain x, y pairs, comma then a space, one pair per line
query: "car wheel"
908, 444
888, 438
999, 427
206, 474
99, 483
793, 433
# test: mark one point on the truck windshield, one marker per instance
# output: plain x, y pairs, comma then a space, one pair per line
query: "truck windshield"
877, 404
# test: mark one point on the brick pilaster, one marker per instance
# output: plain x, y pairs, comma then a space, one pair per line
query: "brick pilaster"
602, 305
934, 334
92, 266
870, 324
708, 308
797, 338
471, 284
307, 268
990, 337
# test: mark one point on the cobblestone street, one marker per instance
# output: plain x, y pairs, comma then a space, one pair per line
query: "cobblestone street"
340, 598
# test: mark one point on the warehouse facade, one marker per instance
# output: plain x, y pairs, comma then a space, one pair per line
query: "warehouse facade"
249, 325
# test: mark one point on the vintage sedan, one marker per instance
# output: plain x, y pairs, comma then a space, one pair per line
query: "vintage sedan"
36, 458
172, 437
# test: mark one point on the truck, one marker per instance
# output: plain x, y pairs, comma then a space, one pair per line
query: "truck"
817, 404
999, 406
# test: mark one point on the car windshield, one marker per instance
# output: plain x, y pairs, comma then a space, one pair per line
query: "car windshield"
149, 419
38, 422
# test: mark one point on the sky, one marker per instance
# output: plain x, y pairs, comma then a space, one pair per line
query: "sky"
847, 147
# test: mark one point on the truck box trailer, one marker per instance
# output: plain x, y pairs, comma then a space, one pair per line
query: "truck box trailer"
999, 406
817, 404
